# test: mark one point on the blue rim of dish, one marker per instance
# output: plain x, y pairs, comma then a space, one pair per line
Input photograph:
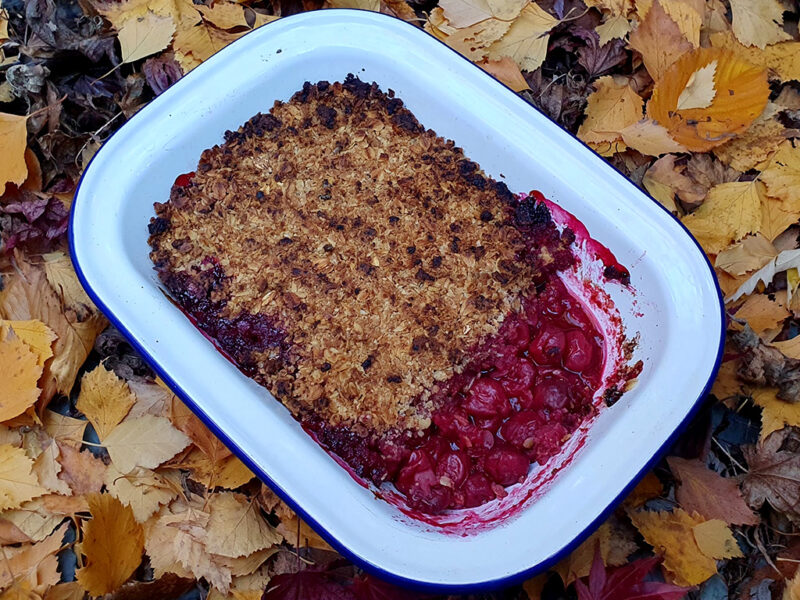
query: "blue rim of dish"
424, 586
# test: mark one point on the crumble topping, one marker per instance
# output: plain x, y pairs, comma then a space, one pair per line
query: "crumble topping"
347, 258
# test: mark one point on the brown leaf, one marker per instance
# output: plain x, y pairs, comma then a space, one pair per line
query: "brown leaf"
665, 172
105, 399
761, 313
464, 13
749, 255
63, 428
21, 372
46, 467
712, 496
167, 587
755, 145
113, 543
146, 442
526, 39
782, 59
82, 471
65, 591
650, 138
659, 40
141, 489
774, 476
13, 140
236, 528
764, 365
506, 71
610, 109
186, 421
782, 174
34, 564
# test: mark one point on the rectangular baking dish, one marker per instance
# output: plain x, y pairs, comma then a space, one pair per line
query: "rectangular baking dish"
676, 307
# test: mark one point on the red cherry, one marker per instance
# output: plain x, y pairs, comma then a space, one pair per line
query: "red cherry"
549, 441
520, 429
517, 335
548, 346
455, 466
519, 378
579, 351
506, 465
551, 391
486, 398
477, 490
489, 423
452, 422
417, 471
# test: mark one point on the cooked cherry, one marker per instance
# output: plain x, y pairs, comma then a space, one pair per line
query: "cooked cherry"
486, 398
520, 429
549, 439
551, 391
477, 490
548, 346
455, 466
506, 465
489, 423
417, 471
579, 351
452, 422
519, 378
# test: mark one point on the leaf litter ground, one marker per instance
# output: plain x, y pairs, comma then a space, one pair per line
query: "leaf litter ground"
110, 487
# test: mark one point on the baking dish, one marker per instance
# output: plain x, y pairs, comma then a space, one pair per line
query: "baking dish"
675, 306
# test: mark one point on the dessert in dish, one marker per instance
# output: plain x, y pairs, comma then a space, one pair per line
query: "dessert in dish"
405, 307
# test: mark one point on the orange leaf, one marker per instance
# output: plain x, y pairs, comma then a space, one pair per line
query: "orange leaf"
13, 140
113, 543
610, 109
21, 372
761, 313
742, 93
507, 72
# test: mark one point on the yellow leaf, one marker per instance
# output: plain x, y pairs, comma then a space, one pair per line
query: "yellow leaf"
507, 71
13, 141
610, 109
245, 565
63, 428
113, 543
650, 138
761, 313
672, 535
196, 44
3, 28
464, 13
659, 40
36, 334
715, 540
730, 113
141, 489
783, 59
82, 470
18, 484
699, 91
146, 442
236, 528
472, 42
105, 399
246, 587
775, 413
758, 22
612, 28
614, 550
144, 36
688, 16
731, 211
660, 191
21, 372
648, 488
755, 145
288, 528
182, 12
792, 590
526, 39
782, 174
46, 467
65, 591
224, 15
185, 420
33, 564
226, 472
790, 348
373, 5
33, 519
751, 254
617, 8
777, 214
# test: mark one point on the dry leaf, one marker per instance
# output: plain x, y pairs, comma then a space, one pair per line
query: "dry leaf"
664, 172
63, 428
145, 35
688, 15
21, 372
10, 534
659, 40
46, 467
185, 420
227, 472
236, 528
750, 254
792, 590
82, 471
650, 138
648, 488
774, 476
730, 113
33, 564
33, 519
105, 399
151, 399
709, 494
613, 28
671, 534
788, 259
782, 174
715, 540
507, 71
35, 334
472, 42
730, 212
297, 533
761, 313
614, 551
790, 348
755, 145
18, 484
700, 90
13, 141
141, 489
113, 543
197, 44
526, 39
224, 15
758, 22
464, 13
775, 413
610, 109
71, 590
783, 59
144, 442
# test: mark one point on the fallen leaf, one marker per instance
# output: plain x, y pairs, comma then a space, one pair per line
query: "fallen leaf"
788, 259
775, 413
650, 138
792, 591
297, 533
659, 40
105, 399
612, 107
63, 428
730, 113
464, 13
113, 543
790, 348
35, 334
82, 471
671, 534
507, 72
18, 484
761, 313
664, 172
46, 467
33, 519
145, 35
612, 28
141, 489
700, 89
782, 59
197, 44
782, 174
144, 442
71, 590
579, 562
755, 145
773, 476
752, 253
10, 534
67, 506
730, 212
224, 15
472, 42
186, 421
714, 538
21, 372
151, 399
688, 15
310, 583
526, 39
13, 140
373, 5
709, 494
648, 488
236, 528
34, 564
758, 22
228, 472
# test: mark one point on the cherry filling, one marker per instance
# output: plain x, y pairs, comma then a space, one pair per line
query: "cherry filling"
530, 389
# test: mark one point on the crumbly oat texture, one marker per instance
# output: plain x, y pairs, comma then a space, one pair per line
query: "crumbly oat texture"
347, 258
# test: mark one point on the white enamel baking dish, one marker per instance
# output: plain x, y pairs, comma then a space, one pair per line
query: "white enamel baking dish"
676, 309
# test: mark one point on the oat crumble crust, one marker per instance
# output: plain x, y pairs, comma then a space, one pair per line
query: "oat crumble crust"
347, 258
